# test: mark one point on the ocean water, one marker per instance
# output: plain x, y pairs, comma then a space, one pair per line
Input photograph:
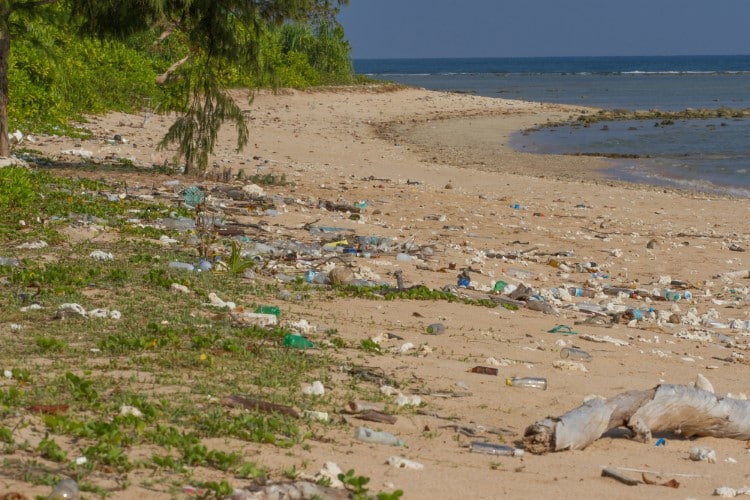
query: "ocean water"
711, 155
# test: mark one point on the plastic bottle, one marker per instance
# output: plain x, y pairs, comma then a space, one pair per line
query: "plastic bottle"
205, 265
582, 292
435, 329
64, 490
9, 261
499, 286
573, 353
495, 449
559, 265
616, 290
586, 267
672, 295
527, 382
181, 265
268, 310
371, 436
297, 342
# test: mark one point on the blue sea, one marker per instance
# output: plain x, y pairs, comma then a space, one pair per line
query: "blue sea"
711, 155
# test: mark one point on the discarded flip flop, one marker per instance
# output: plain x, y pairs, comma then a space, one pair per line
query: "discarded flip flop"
563, 329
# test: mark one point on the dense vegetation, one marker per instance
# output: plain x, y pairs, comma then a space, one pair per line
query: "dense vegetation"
56, 76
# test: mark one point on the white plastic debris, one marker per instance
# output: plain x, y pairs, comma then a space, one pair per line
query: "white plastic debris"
33, 245
98, 313
101, 255
567, 365
403, 400
331, 471
302, 326
215, 301
16, 137
70, 309
389, 390
126, 410
403, 463
320, 416
727, 492
104, 314
703, 455
248, 318
314, 389
83, 153
166, 240
604, 339
253, 190
408, 346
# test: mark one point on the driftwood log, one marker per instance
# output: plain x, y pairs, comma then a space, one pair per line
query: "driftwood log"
665, 408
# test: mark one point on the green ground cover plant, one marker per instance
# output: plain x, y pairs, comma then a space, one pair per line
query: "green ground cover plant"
100, 398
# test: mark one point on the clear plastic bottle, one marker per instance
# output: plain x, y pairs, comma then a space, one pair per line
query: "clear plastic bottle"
495, 449
182, 265
9, 261
574, 354
380, 437
582, 292
435, 329
67, 489
527, 382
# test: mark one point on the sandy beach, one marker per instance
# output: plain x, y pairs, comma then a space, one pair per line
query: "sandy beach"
435, 170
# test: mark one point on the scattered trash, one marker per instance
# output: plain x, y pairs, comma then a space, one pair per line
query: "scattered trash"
295, 341
101, 255
314, 389
70, 309
242, 317
320, 416
562, 330
703, 455
403, 463
660, 442
727, 492
435, 329
184, 266
573, 366
495, 449
67, 489
574, 354
379, 437
484, 370
126, 410
527, 382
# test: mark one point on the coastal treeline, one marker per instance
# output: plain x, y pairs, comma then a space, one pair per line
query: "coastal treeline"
55, 75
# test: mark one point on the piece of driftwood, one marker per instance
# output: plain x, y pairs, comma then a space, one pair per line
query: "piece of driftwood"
259, 405
619, 476
377, 416
665, 408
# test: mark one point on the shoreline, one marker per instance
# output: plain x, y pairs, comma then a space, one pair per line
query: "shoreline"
487, 148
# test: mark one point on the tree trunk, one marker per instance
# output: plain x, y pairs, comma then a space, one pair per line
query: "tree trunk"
665, 408
4, 54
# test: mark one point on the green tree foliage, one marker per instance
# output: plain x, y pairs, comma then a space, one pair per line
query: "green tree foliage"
194, 49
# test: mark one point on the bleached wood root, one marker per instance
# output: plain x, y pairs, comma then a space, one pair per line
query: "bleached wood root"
665, 408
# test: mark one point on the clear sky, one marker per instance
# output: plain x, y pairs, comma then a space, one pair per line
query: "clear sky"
521, 28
